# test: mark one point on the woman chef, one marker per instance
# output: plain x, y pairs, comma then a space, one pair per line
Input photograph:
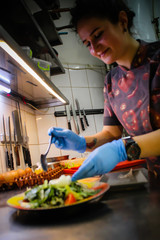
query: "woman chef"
131, 92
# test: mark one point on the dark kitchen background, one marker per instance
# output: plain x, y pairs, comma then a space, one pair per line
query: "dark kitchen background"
82, 79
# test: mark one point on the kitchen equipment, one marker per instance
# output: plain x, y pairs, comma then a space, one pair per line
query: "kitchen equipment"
26, 148
126, 179
125, 165
85, 117
36, 88
80, 115
58, 158
17, 126
43, 65
8, 165
57, 161
128, 164
20, 120
75, 118
19, 137
43, 159
68, 117
10, 141
27, 50
16, 150
87, 111
26, 153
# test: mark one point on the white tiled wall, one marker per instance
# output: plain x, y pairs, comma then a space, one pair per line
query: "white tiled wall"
28, 116
87, 86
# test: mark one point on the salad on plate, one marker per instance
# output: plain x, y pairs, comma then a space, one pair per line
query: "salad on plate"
56, 193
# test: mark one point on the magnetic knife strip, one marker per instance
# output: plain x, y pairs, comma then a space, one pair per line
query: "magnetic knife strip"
87, 111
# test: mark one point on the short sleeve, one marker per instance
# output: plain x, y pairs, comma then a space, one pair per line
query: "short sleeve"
109, 115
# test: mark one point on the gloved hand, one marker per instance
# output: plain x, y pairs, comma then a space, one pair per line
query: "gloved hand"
67, 140
102, 160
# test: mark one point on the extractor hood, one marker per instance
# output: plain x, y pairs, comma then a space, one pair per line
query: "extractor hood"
27, 82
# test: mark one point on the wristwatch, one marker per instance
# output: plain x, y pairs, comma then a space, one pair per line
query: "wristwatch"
132, 148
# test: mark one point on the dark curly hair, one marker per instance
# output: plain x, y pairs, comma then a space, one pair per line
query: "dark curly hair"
109, 9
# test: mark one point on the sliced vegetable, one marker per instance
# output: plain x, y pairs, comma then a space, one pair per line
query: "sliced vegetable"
70, 199
57, 193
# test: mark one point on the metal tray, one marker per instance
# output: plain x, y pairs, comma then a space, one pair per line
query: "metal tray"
124, 180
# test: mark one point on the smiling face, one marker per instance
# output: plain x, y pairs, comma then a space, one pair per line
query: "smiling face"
105, 40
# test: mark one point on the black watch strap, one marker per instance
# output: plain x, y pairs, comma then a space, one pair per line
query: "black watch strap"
132, 148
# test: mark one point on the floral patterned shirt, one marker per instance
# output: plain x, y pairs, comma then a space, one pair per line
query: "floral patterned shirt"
132, 96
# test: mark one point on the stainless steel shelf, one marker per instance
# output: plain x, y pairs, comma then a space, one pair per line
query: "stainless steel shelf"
34, 30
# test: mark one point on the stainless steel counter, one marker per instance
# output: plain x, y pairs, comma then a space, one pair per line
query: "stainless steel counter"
124, 215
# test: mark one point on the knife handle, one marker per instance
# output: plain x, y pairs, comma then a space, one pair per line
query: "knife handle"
86, 120
28, 156
16, 151
7, 159
82, 124
69, 126
11, 161
24, 154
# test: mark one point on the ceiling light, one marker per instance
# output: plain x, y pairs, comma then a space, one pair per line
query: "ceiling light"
18, 59
5, 79
4, 87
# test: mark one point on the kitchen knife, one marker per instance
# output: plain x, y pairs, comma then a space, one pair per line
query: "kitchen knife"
26, 153
19, 137
17, 127
80, 115
10, 141
8, 165
16, 150
20, 120
75, 118
26, 149
85, 117
68, 117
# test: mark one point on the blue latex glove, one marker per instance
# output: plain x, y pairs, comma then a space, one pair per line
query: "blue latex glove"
102, 160
67, 140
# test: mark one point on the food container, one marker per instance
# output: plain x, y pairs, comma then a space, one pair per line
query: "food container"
58, 158
27, 50
72, 163
43, 65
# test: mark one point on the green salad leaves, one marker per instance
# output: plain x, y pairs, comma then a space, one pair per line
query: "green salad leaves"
48, 195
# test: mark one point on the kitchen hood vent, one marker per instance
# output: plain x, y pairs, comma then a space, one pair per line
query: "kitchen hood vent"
30, 24
27, 81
